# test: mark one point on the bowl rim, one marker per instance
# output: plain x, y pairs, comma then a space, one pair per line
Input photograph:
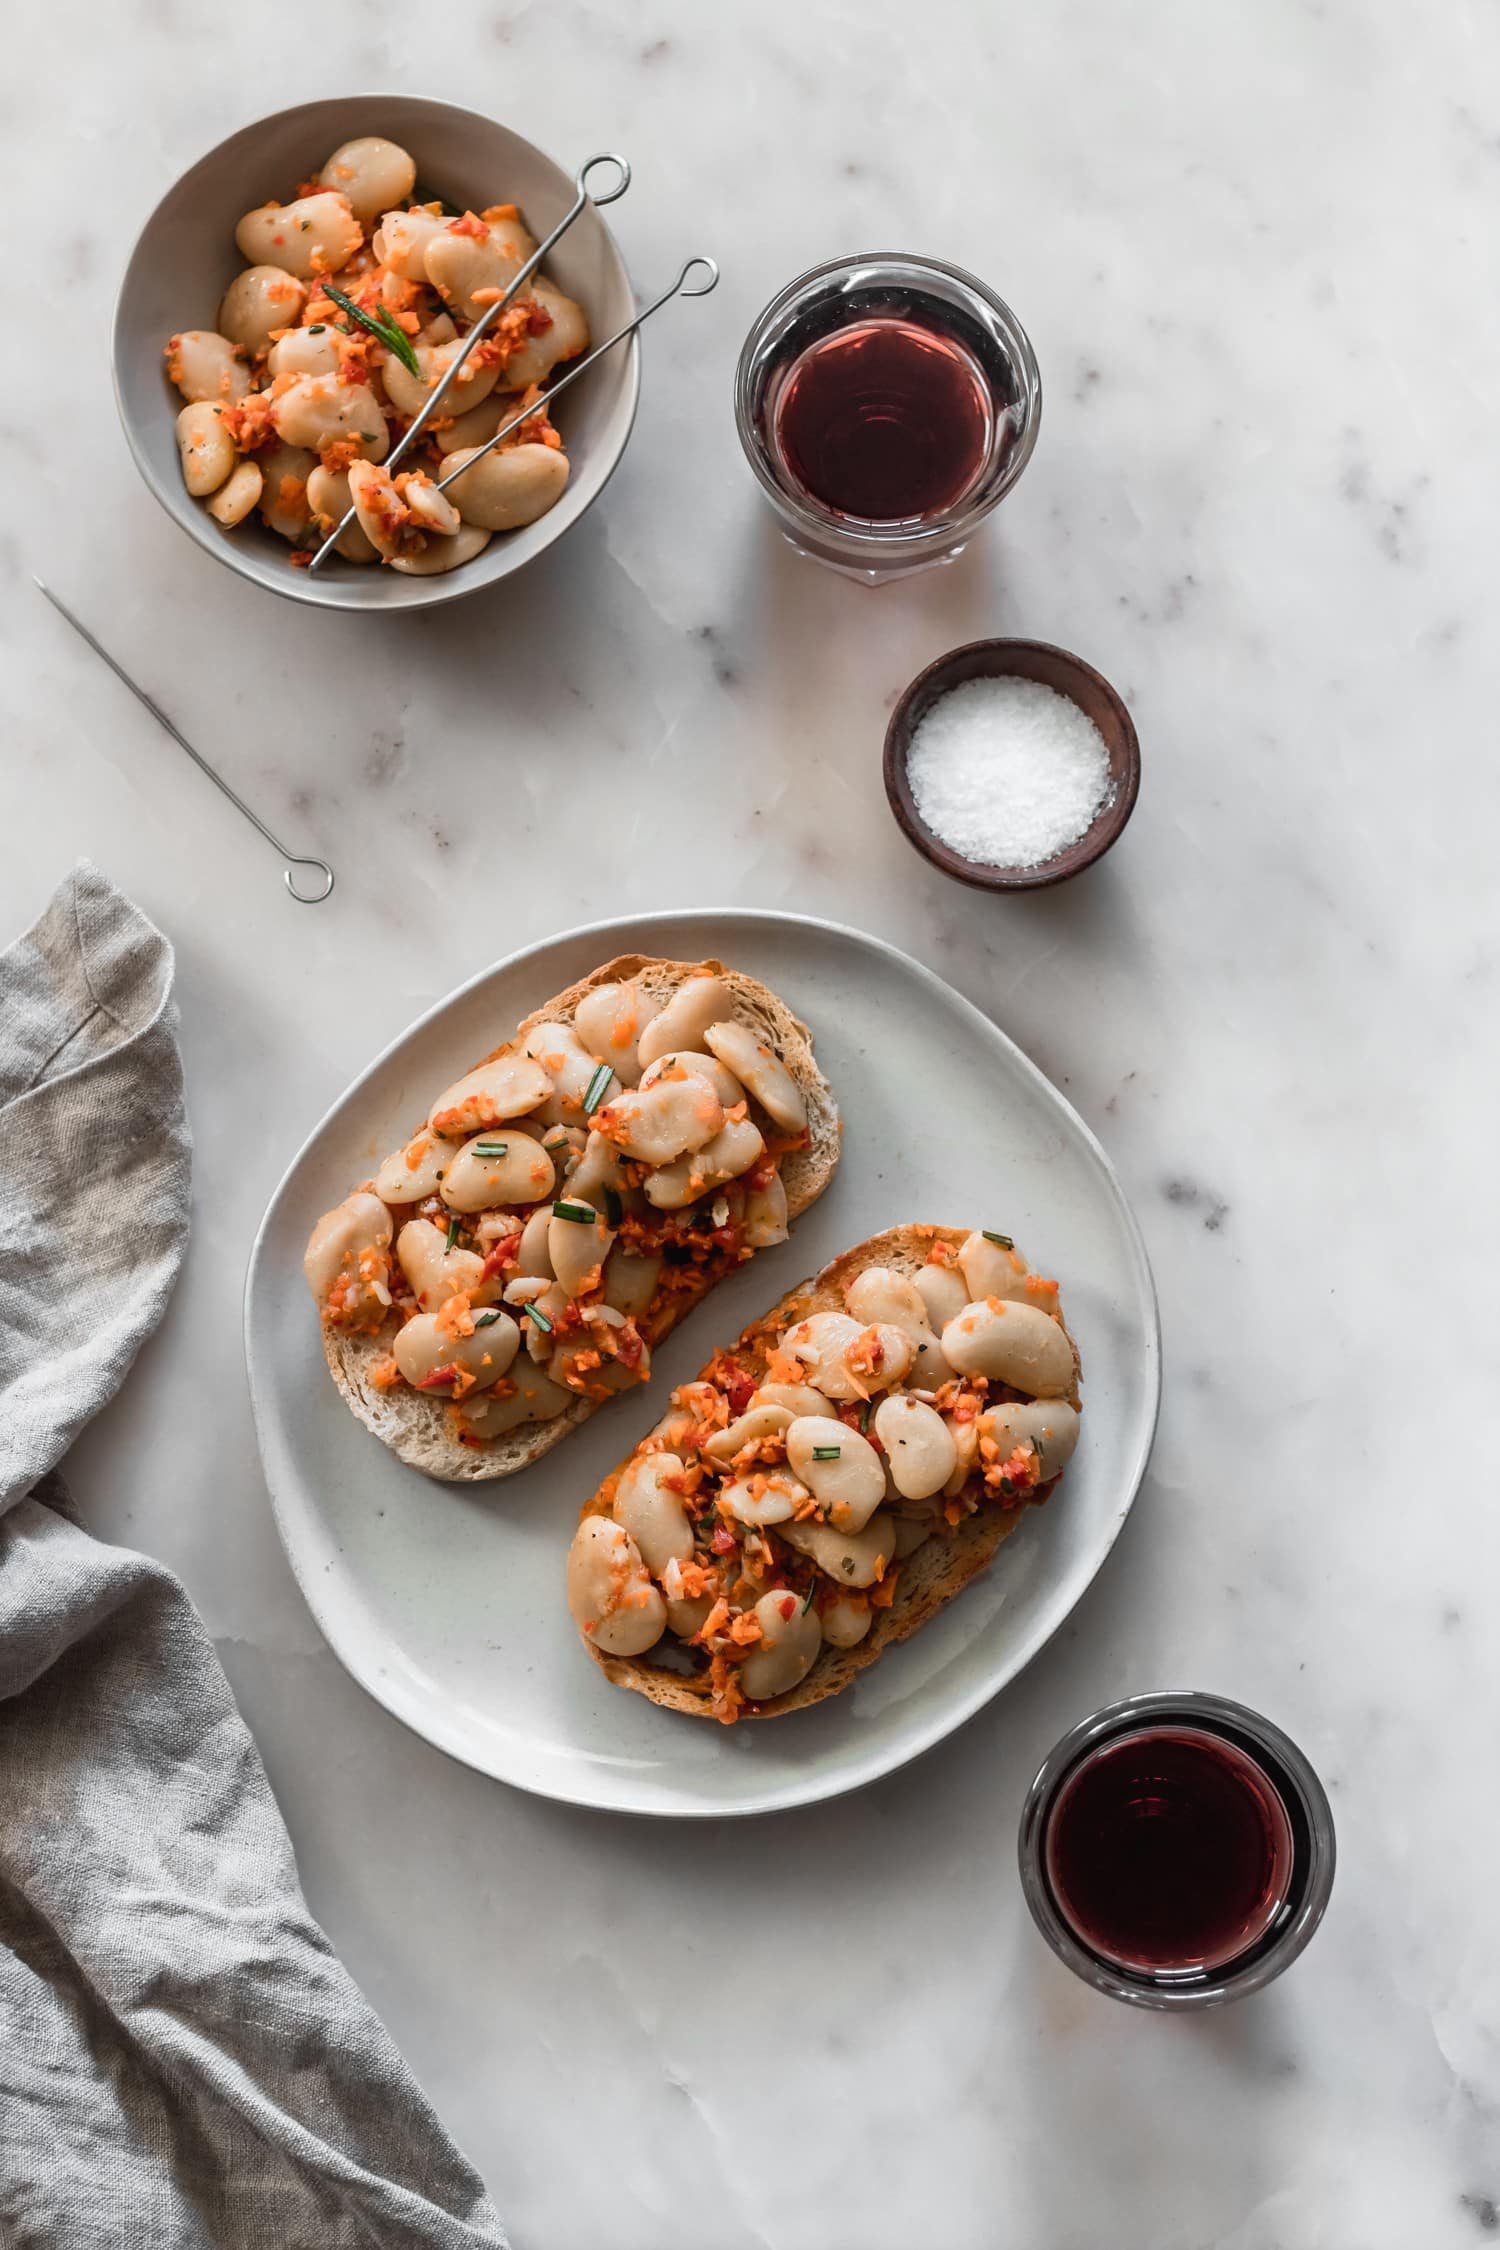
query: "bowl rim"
341, 594
933, 681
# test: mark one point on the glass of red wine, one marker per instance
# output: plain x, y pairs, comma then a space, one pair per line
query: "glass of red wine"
1177, 1850
887, 403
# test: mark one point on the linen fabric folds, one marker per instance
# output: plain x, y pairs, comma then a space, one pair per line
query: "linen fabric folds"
184, 2062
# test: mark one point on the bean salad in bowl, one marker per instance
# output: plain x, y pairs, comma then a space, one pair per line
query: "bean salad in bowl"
334, 261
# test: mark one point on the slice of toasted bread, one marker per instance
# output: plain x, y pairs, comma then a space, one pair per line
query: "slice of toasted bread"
938, 1569
417, 1427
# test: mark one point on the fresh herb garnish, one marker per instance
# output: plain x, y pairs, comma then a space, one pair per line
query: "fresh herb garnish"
807, 1605
614, 1209
486, 1319
579, 1213
379, 325
594, 1091
826, 1453
452, 1234
535, 1313
1003, 1240
491, 1148
317, 328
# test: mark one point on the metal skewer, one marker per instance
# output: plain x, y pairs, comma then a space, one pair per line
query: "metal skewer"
488, 318
679, 288
291, 859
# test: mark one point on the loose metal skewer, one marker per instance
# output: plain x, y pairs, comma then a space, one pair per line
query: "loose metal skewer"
291, 859
679, 288
488, 318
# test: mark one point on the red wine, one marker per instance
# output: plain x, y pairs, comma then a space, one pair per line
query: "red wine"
1169, 1848
885, 420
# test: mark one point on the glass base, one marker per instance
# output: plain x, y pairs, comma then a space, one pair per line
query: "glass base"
877, 574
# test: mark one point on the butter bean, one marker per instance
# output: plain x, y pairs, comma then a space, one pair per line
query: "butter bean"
443, 554
818, 1344
361, 1222
656, 1124
204, 365
850, 1486
314, 235
534, 361
766, 1220
571, 1070
796, 1398
1048, 1427
610, 1594
706, 1067
330, 500
1010, 1343
535, 1251
542, 1343
918, 1443
507, 489
437, 1273
762, 1496
751, 1428
787, 1650
734, 1148
258, 302
306, 351
578, 1247
459, 265
422, 1348
849, 1558
237, 496
880, 1294
630, 1281
410, 1173
965, 1436
995, 1269
518, 1170
318, 410
536, 1398
609, 1020
942, 1292
912, 1532
759, 1067
475, 428
697, 1002
374, 175
400, 242
846, 1621
409, 393
205, 447
510, 1085
652, 1511
284, 506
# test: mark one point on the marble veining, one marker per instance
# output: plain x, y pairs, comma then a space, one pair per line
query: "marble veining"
1253, 245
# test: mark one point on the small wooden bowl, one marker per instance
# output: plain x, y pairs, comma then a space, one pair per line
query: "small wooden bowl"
1055, 668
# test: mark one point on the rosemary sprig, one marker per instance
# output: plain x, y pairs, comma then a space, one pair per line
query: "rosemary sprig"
379, 325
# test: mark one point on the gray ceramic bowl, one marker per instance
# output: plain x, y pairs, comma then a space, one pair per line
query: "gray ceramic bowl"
186, 258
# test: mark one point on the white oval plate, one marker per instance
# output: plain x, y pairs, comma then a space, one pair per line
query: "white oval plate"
446, 1601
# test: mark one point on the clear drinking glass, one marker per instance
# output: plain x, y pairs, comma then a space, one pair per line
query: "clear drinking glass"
974, 346
1303, 1815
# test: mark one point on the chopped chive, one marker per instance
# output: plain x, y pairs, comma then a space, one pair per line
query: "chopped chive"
535, 1313
491, 1148
561, 1145
379, 325
579, 1213
826, 1453
807, 1605
614, 1209
317, 328
1004, 1240
452, 1234
486, 1319
594, 1091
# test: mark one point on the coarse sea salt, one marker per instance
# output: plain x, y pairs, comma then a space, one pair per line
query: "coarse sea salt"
1007, 771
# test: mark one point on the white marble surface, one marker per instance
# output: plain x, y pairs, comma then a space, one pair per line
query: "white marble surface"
1253, 244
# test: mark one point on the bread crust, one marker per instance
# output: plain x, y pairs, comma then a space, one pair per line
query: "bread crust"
930, 1577
416, 1427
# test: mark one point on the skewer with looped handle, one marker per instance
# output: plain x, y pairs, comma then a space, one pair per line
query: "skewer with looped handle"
481, 328
322, 874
